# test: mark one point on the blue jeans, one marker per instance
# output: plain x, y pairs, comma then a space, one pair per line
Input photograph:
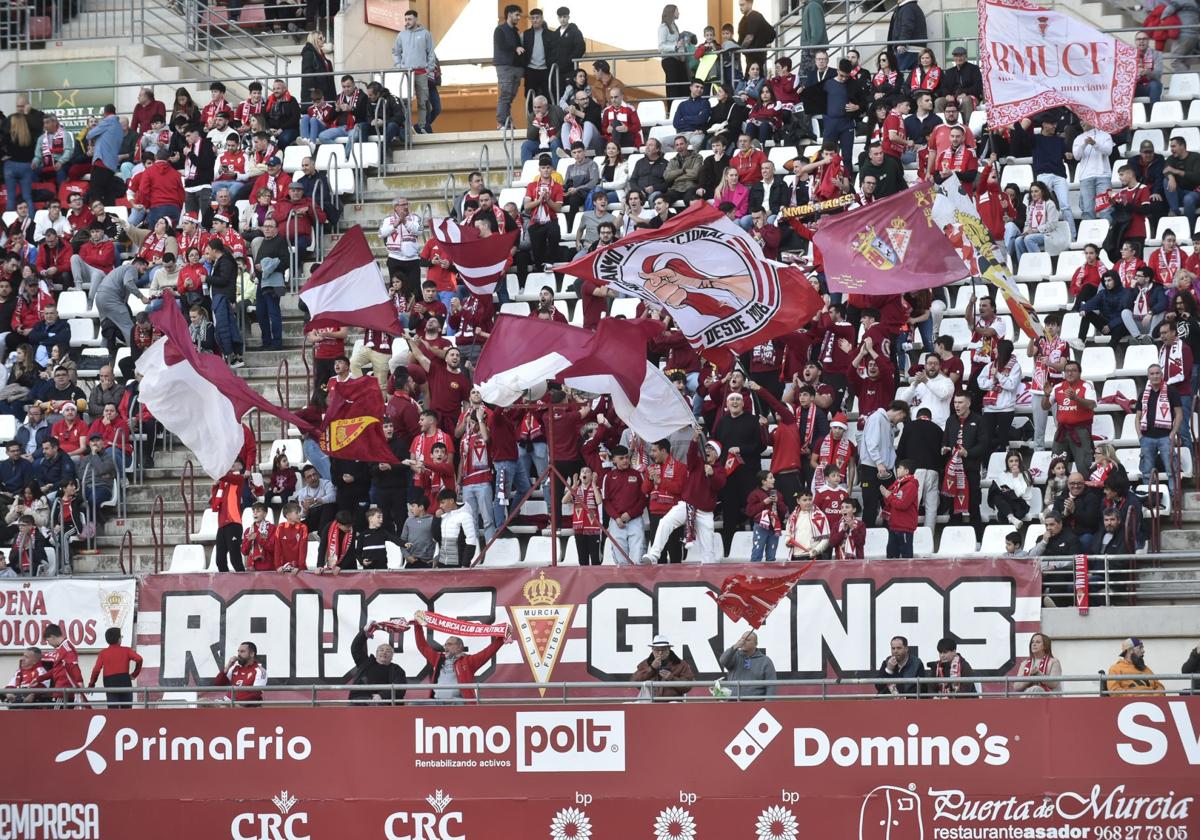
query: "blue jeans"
229, 335
1030, 243
841, 130
899, 545
156, 213
286, 137
435, 106
314, 456
1177, 200
765, 543
1062, 195
1089, 188
270, 319
1151, 89
534, 465
478, 497
1153, 448
96, 496
529, 150
511, 484
338, 132
20, 175
907, 60
311, 128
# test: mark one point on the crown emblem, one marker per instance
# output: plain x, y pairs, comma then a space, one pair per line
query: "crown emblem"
439, 801
284, 802
116, 605
542, 592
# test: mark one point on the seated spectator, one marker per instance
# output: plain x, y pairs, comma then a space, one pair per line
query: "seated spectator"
49, 333
1192, 666
1131, 673
692, 116
649, 173
1057, 541
590, 231
1080, 507
1041, 223
388, 114
1106, 308
114, 432
581, 178
1149, 69
1182, 177
747, 160
619, 122
296, 217
351, 112
764, 120
1146, 308
542, 132
951, 666
54, 470
28, 555
53, 263
1013, 493
731, 190
663, 666
1041, 663
96, 257
898, 669
97, 473
71, 432
581, 123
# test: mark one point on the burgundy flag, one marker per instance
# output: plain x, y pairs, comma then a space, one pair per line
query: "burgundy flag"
480, 262
348, 290
352, 429
753, 597
890, 246
710, 276
196, 396
523, 352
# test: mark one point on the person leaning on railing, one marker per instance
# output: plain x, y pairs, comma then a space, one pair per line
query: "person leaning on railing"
898, 669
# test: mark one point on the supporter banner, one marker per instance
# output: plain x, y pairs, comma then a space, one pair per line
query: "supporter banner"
84, 609
1033, 59
575, 623
1044, 767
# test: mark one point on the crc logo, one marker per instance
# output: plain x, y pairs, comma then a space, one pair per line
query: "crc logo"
747, 745
439, 824
282, 826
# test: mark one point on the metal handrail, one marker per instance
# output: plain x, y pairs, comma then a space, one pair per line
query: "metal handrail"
126, 542
58, 523
188, 497
1154, 497
485, 164
449, 191
158, 532
599, 692
283, 392
119, 482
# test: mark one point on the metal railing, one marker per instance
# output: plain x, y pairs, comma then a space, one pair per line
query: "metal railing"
283, 393
597, 692
158, 532
1118, 579
62, 543
187, 495
126, 548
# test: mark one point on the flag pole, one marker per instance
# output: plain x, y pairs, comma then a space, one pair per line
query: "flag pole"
553, 470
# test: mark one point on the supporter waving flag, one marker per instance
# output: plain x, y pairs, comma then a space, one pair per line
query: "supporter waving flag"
347, 289
710, 276
196, 396
481, 261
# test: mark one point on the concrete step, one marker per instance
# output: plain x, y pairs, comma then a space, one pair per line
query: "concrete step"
109, 563
1180, 539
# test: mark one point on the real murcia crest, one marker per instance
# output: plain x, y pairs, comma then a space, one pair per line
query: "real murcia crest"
542, 626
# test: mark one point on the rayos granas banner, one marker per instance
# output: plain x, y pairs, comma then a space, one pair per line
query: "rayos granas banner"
575, 624
1045, 767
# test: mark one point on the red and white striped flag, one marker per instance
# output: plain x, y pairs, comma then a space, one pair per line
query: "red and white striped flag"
480, 262
348, 290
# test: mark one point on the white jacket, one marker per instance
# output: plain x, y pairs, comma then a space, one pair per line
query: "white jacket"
1010, 386
934, 394
458, 521
1093, 160
1020, 488
402, 238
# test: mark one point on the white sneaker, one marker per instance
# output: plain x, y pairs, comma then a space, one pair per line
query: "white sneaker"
1012, 520
1075, 344
647, 560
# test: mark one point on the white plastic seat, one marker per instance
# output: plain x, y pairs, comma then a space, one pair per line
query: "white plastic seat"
961, 297
504, 553
293, 157
529, 173
514, 309
511, 195
1176, 224
187, 559
341, 180
956, 541
83, 332
664, 134
1189, 133
1091, 232
957, 329
8, 426
1130, 436
311, 553
1020, 174
993, 539
207, 530
1138, 357
1034, 267
1103, 428
651, 112
1098, 363
1167, 113
739, 549
1127, 387
1131, 460
923, 542
1032, 533
1067, 264
1154, 135
1050, 296
73, 303
875, 547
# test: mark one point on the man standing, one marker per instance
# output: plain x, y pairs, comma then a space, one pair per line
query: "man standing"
245, 674
508, 56
376, 669
1074, 401
965, 444
113, 663
929, 389
1131, 669
539, 45
1091, 150
568, 45
624, 502
1175, 359
451, 666
754, 34
901, 665
413, 52
745, 661
1159, 418
664, 482
705, 479
877, 456
222, 282
907, 31
921, 443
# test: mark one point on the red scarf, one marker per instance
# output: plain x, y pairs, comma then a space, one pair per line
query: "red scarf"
52, 146
1141, 303
834, 452
1162, 414
335, 548
828, 186
952, 160
994, 393
952, 670
323, 111
810, 426
769, 518
1167, 265
1126, 269
1145, 64
352, 101
884, 78
153, 247
1048, 351
929, 79
1035, 216
24, 548
1170, 359
845, 549
954, 482
1096, 479
1040, 667
585, 518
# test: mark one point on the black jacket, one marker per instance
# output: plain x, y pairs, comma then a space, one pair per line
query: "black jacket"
889, 176
710, 173
1088, 515
955, 689
505, 40
368, 671
371, 546
284, 114
568, 45
648, 177
921, 443
317, 74
1066, 544
974, 439
204, 160
363, 112
958, 80
1192, 666
913, 669
549, 44
908, 26
771, 202
223, 279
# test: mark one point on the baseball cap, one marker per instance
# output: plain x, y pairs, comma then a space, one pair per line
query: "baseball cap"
1130, 643
274, 160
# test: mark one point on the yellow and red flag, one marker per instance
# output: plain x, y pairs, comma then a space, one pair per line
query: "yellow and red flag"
352, 429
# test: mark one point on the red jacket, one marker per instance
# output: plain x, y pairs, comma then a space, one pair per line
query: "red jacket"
160, 186
101, 255
289, 545
627, 115
63, 665
748, 166
464, 667
700, 490
258, 547
28, 313
226, 499
672, 476
278, 186
901, 506
302, 223
623, 493
244, 675
61, 258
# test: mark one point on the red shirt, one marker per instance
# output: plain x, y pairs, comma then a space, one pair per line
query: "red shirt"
748, 165
1071, 413
252, 675
290, 545
444, 277
894, 122
568, 423
901, 506
478, 313
110, 431
329, 348
257, 544
543, 213
114, 660
210, 111
447, 390
100, 255
63, 665
829, 502
476, 460
68, 436
627, 117
421, 448
593, 307
671, 476
503, 435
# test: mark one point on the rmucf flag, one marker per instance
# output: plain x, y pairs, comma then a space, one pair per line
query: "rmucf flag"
347, 289
1033, 59
480, 261
888, 247
710, 276
753, 597
352, 428
956, 214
